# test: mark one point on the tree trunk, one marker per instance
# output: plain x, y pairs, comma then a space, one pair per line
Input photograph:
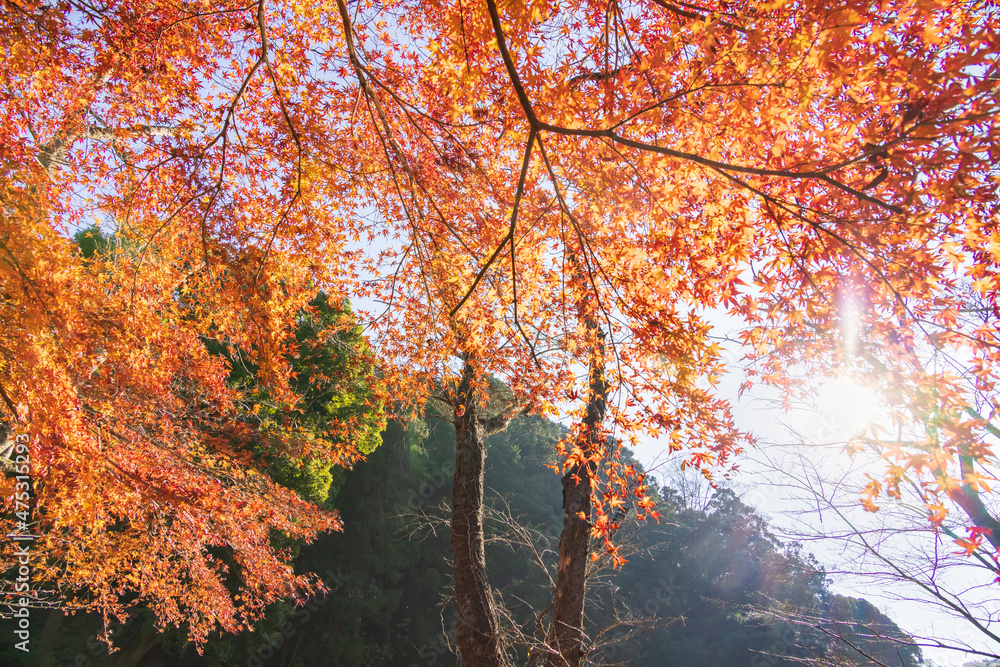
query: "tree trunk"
968, 499
477, 630
566, 637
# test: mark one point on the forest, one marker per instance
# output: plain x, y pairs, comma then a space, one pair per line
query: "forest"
331, 329
708, 585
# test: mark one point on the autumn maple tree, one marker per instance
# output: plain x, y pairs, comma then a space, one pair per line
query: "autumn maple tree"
533, 191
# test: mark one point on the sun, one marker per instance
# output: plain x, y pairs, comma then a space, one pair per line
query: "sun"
846, 405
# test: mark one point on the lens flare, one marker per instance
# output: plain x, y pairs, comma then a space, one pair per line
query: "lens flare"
844, 404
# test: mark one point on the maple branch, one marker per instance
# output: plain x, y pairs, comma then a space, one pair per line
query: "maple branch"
508, 62
794, 257
392, 284
54, 153
402, 200
513, 222
264, 48
691, 91
677, 10
584, 245
599, 76
7, 400
860, 195
609, 133
513, 283
110, 134
499, 422
231, 108
223, 133
196, 15
838, 634
816, 622
418, 183
636, 57
584, 248
16, 265
820, 228
372, 99
969, 500
695, 16
149, 241
406, 106
988, 426
715, 164
359, 71
871, 151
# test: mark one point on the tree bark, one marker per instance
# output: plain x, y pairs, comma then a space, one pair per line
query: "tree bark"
477, 632
968, 499
566, 638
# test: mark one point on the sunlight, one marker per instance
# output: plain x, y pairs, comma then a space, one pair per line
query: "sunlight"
844, 404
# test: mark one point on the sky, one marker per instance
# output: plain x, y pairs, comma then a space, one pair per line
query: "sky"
807, 445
